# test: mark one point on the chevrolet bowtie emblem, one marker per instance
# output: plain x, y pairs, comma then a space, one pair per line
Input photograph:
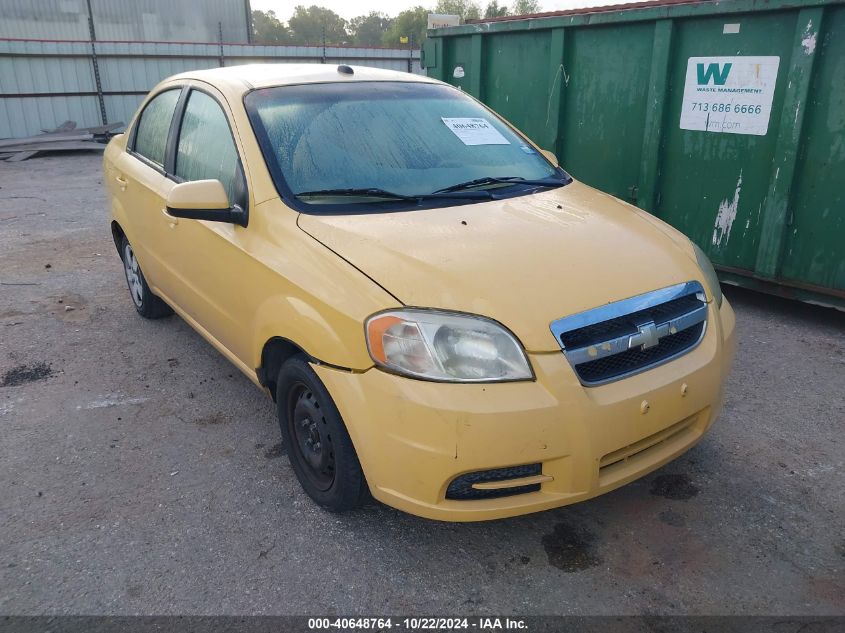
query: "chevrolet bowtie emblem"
646, 336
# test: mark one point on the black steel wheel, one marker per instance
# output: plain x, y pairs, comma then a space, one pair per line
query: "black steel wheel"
319, 447
312, 436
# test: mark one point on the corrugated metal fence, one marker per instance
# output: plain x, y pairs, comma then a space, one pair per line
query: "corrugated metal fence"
136, 20
44, 83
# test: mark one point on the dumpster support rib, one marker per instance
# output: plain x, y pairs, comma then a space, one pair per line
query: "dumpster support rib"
775, 221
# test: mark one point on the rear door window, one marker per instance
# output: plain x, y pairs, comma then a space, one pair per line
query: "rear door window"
154, 125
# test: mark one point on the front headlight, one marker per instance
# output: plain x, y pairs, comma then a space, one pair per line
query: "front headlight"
446, 347
709, 273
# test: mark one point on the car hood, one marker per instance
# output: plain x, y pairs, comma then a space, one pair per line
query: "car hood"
523, 261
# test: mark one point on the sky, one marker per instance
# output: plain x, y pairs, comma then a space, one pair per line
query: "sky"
350, 8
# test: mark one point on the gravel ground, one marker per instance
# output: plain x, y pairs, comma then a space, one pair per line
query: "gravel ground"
142, 474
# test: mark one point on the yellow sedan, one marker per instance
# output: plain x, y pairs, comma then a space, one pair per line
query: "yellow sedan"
445, 319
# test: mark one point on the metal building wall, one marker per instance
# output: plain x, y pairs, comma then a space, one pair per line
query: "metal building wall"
125, 20
43, 83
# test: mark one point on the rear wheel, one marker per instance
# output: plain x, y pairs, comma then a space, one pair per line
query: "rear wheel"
146, 303
319, 447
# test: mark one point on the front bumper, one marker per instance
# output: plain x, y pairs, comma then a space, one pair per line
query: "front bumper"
414, 437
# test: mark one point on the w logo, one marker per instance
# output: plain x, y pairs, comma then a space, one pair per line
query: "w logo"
714, 72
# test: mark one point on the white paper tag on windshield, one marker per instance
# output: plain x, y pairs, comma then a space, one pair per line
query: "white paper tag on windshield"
475, 131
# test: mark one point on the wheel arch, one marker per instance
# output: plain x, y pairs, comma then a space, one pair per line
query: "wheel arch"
117, 234
273, 355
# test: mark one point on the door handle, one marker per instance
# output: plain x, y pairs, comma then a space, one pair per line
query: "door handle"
122, 182
173, 220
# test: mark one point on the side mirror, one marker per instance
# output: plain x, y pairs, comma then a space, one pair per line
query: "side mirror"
204, 200
550, 156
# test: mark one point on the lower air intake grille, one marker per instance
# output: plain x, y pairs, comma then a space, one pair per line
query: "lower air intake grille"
461, 487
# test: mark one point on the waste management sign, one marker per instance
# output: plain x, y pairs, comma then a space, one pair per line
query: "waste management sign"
732, 95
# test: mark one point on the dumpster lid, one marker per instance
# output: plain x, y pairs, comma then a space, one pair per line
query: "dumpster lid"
624, 6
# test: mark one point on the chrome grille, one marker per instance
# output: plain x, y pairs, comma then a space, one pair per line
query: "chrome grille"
629, 336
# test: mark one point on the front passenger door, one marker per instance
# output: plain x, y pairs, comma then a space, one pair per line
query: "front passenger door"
208, 258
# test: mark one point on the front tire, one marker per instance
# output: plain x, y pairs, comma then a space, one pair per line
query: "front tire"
319, 447
146, 303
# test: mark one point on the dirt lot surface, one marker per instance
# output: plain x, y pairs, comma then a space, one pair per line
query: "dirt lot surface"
142, 474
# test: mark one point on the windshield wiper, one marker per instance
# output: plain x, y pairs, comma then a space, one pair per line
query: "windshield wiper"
490, 180
374, 192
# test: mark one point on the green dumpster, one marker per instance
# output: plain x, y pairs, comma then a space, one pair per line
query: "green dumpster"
725, 119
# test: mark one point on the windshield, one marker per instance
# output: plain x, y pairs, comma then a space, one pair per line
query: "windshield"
371, 140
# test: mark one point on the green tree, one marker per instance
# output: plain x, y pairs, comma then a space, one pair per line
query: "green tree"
467, 9
409, 22
524, 7
368, 30
307, 26
268, 29
493, 10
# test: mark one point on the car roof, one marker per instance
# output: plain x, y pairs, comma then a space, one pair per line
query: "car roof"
241, 79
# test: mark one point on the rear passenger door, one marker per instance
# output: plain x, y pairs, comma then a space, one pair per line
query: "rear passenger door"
142, 183
208, 259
